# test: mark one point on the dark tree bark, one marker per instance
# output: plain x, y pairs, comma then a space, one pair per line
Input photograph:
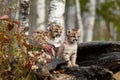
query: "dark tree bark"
105, 54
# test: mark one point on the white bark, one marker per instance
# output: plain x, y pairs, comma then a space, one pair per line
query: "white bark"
17, 11
89, 21
70, 16
79, 19
41, 15
56, 13
24, 15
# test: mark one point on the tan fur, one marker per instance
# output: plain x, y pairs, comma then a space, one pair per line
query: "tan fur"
43, 39
68, 50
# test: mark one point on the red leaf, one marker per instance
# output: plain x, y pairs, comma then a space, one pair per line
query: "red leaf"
10, 26
48, 60
36, 55
28, 65
4, 17
48, 50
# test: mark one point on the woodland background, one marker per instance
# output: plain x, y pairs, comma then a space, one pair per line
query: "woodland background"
97, 19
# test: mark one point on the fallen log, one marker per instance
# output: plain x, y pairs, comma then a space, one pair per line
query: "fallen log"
105, 54
92, 72
96, 60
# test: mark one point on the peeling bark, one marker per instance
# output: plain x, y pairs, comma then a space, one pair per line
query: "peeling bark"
56, 13
24, 15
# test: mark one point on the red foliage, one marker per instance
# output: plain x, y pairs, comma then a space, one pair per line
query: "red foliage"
4, 17
48, 60
10, 26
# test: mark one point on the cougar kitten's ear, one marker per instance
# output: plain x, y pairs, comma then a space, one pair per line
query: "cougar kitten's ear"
48, 28
51, 27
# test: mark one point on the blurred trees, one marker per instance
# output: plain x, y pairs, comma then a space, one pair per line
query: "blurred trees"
102, 15
108, 12
41, 14
105, 21
89, 20
105, 14
79, 20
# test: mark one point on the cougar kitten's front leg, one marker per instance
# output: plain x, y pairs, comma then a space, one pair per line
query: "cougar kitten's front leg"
66, 57
73, 59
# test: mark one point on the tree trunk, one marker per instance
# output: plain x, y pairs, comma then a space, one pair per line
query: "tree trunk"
113, 33
56, 13
33, 16
79, 20
89, 21
24, 15
41, 15
70, 15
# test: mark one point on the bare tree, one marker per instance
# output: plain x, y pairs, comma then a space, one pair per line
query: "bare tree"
70, 15
41, 15
89, 21
33, 16
56, 13
79, 19
24, 15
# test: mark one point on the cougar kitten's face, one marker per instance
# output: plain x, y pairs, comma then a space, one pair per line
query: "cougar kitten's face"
73, 35
56, 31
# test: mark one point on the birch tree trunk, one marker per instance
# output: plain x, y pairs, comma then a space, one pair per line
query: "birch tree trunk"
56, 13
79, 20
70, 15
89, 21
41, 15
24, 15
113, 34
17, 11
33, 17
